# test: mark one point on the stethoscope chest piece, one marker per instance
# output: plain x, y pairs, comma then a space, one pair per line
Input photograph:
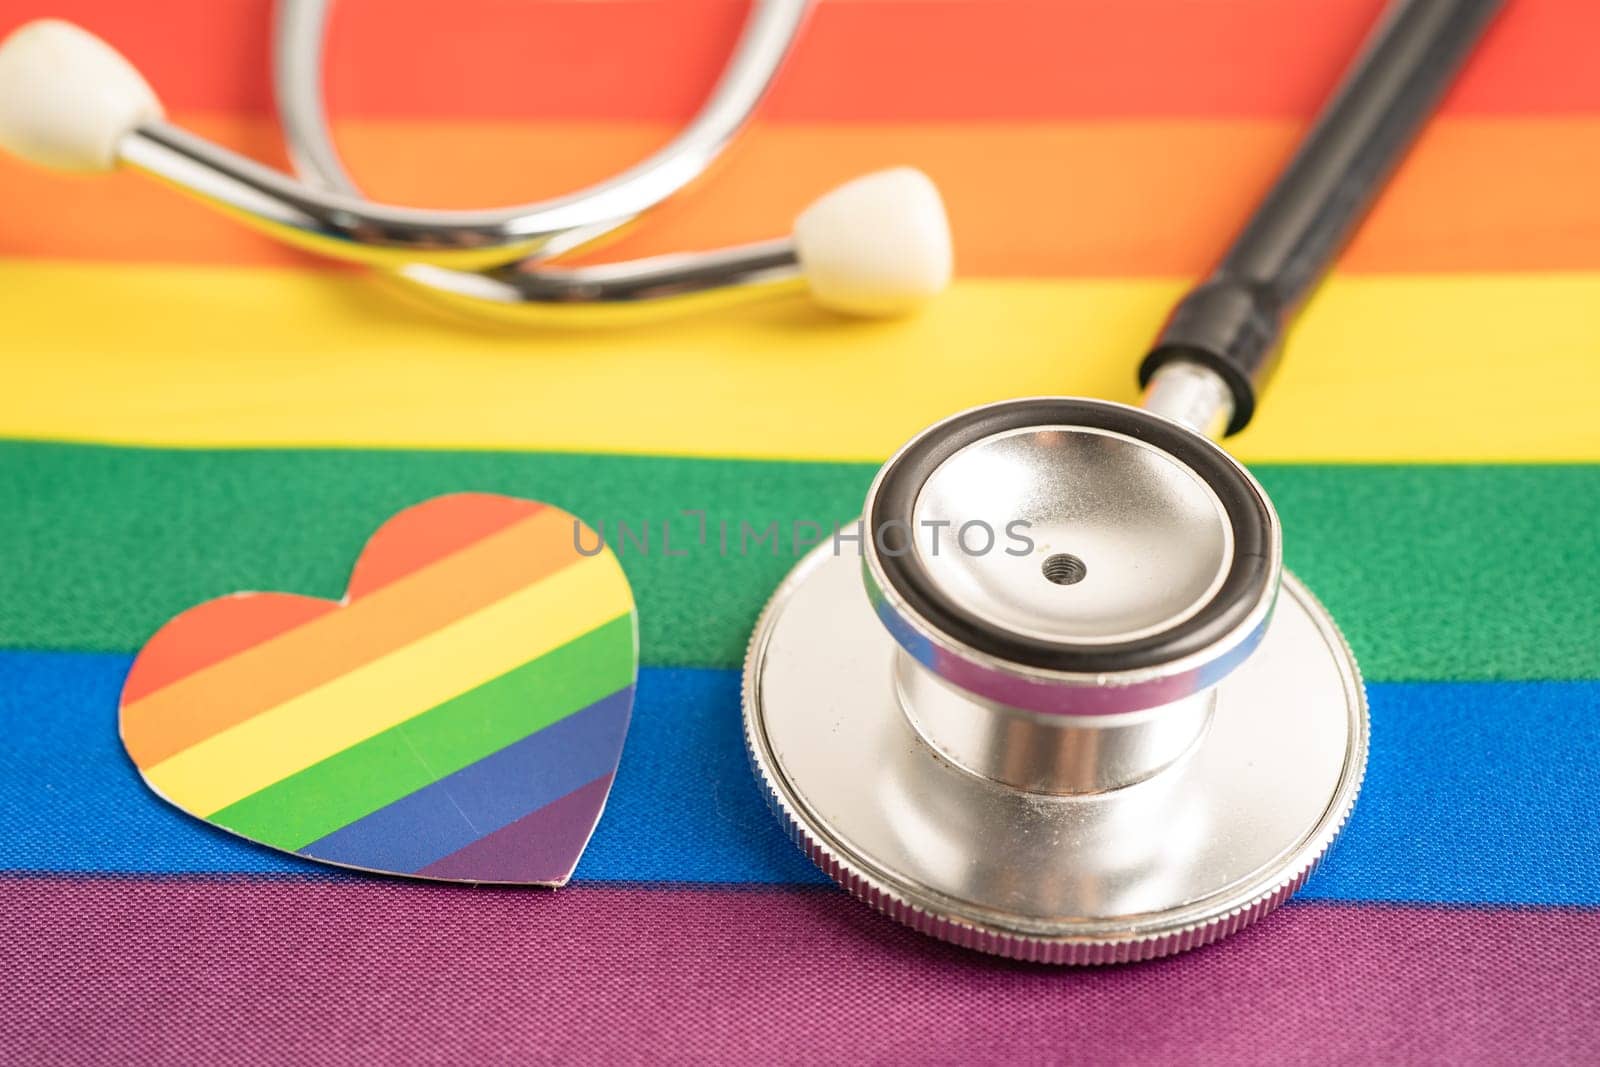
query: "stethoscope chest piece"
1063, 704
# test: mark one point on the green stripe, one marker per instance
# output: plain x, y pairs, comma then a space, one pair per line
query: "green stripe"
382, 769
1434, 572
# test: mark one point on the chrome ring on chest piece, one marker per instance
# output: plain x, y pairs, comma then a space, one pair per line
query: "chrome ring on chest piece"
1060, 718
1184, 542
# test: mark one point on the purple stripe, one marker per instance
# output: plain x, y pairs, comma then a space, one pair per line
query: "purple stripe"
424, 827
542, 847
133, 971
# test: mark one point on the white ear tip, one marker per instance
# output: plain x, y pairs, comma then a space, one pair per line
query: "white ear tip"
67, 97
878, 245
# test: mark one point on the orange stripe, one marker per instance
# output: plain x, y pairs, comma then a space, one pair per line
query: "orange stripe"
236, 689
868, 60
1143, 198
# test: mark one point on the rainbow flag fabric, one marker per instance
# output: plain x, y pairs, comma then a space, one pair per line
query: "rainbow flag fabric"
187, 409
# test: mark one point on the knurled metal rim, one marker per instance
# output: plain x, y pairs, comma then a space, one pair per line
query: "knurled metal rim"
881, 894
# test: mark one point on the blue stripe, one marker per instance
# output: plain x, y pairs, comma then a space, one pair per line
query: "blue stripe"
426, 826
1477, 792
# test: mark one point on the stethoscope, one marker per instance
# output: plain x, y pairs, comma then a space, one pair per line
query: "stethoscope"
878, 245
1080, 713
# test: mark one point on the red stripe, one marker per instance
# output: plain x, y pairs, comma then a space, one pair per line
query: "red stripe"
873, 60
377, 971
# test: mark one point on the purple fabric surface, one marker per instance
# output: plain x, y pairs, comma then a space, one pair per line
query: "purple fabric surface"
266, 972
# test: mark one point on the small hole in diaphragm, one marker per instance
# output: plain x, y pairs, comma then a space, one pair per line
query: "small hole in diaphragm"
1063, 568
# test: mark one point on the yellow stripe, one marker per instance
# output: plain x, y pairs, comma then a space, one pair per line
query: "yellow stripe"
1383, 368
228, 766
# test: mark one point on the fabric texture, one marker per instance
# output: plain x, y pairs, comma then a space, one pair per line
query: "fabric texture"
265, 972
1475, 793
1406, 556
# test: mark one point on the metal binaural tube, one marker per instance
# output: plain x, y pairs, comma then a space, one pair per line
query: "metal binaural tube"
331, 220
332, 224
298, 30
616, 293
530, 291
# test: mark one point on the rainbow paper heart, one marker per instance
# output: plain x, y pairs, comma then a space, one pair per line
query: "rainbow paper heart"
458, 715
